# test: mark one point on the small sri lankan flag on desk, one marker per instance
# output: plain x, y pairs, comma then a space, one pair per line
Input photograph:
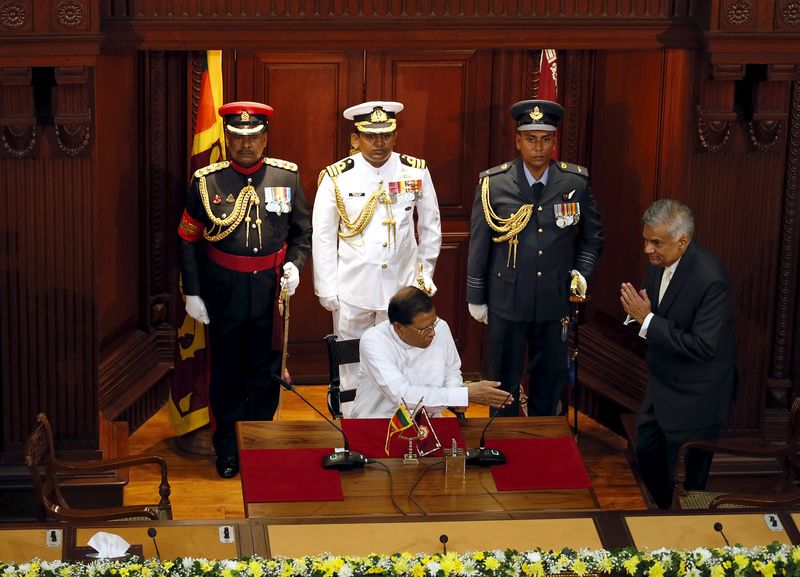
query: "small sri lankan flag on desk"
400, 421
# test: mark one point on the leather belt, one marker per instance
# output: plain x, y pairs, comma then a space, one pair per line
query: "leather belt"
246, 263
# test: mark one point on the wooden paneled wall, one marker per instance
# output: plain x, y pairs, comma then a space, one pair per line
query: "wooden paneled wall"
665, 98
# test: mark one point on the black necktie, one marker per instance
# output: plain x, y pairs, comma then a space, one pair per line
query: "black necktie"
536, 191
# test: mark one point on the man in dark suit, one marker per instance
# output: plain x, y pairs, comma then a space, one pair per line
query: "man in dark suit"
686, 315
535, 229
245, 232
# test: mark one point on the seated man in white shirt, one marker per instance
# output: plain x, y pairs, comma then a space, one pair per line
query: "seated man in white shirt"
412, 356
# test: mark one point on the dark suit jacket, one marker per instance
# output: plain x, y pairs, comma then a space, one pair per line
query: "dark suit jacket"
537, 289
691, 348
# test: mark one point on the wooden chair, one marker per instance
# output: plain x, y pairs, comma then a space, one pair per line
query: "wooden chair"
339, 353
48, 472
785, 493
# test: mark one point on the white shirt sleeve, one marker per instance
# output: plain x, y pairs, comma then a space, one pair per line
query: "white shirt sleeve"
429, 226
645, 324
325, 240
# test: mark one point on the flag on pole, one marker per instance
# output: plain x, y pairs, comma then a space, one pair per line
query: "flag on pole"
548, 80
400, 421
188, 396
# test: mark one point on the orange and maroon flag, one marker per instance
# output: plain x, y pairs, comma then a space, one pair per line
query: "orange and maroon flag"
188, 398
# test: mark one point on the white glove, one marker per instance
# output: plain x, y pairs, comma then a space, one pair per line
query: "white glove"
479, 312
329, 303
430, 288
578, 285
293, 280
196, 308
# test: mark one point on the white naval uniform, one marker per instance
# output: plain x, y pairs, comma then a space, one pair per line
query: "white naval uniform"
391, 370
365, 271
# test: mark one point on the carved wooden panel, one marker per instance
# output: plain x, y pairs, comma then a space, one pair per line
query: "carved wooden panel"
444, 120
414, 9
47, 298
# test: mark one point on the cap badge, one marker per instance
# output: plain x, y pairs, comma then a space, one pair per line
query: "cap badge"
378, 115
563, 165
536, 114
245, 117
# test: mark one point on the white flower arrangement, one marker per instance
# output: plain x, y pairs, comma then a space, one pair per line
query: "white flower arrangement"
773, 560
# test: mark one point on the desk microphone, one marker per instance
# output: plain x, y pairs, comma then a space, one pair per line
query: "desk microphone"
718, 529
482, 456
341, 461
151, 532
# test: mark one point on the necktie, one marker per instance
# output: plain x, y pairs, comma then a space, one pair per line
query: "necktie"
665, 278
536, 191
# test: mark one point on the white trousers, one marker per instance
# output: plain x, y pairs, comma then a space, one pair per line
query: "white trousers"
350, 322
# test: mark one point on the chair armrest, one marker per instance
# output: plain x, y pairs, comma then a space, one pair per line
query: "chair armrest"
755, 500
117, 513
101, 465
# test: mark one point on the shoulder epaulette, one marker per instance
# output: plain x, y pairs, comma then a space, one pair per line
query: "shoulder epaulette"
284, 164
574, 168
495, 170
338, 168
412, 161
211, 168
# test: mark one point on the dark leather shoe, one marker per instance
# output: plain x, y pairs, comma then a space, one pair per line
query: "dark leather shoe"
227, 466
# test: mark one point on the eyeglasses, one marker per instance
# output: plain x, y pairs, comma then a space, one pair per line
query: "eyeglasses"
427, 330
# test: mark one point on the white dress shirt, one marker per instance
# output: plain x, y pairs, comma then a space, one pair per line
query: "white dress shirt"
368, 269
391, 370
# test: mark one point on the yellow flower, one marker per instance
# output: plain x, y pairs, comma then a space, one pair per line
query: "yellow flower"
605, 564
374, 570
256, 570
400, 566
418, 570
206, 567
533, 569
741, 561
796, 554
630, 565
448, 565
492, 563
717, 571
768, 570
478, 556
580, 569
168, 564
227, 573
657, 570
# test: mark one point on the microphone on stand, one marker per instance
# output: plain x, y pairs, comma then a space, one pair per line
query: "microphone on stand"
718, 529
339, 461
482, 456
151, 532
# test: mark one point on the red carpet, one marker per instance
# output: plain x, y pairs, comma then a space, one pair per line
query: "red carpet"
539, 464
281, 475
368, 436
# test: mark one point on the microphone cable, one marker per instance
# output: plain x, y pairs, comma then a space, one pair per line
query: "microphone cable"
391, 484
414, 485
508, 513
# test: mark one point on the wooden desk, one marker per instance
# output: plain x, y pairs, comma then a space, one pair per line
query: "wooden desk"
366, 491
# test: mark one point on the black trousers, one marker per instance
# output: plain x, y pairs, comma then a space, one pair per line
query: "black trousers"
547, 362
243, 362
657, 455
